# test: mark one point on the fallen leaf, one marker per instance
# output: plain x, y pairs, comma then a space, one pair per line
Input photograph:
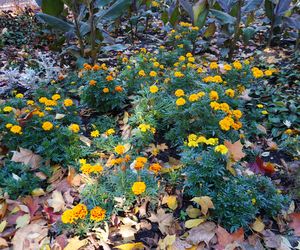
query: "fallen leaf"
258, 225
27, 157
225, 238
85, 140
75, 244
260, 167
131, 246
3, 225
166, 242
205, 202
271, 240
3, 208
235, 150
261, 128
194, 222
171, 201
164, 220
22, 220
193, 212
203, 233
127, 232
245, 95
180, 245
3, 243
57, 201
295, 224
38, 192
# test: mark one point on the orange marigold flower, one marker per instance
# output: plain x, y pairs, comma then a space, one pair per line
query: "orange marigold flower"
120, 149
118, 88
155, 167
96, 67
80, 211
109, 78
97, 214
93, 82
105, 90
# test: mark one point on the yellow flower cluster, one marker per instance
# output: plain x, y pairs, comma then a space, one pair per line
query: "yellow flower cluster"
120, 149
215, 79
237, 65
72, 215
97, 214
178, 74
68, 102
87, 168
155, 167
16, 129
146, 127
221, 149
110, 131
229, 92
257, 73
194, 141
7, 109
153, 89
47, 126
95, 133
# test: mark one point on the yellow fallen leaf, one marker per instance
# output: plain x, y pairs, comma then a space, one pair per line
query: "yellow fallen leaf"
193, 212
3, 225
193, 222
205, 202
75, 244
131, 246
38, 192
22, 220
171, 201
167, 242
57, 201
258, 225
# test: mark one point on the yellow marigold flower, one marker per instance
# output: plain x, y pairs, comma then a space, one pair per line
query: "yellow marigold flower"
192, 144
56, 97
68, 217
8, 125
97, 214
19, 95
93, 82
74, 128
237, 65
264, 112
195, 28
199, 70
257, 73
153, 89
229, 92
161, 66
110, 131
153, 74
109, 78
156, 64
191, 59
47, 126
80, 211
179, 93
140, 163
48, 108
7, 109
177, 37
144, 127
144, 50
138, 187
30, 102
201, 94
95, 133
260, 106
105, 90
50, 103
189, 54
86, 168
217, 79
289, 131
178, 74
236, 125
16, 129
97, 169
125, 60
180, 101
68, 102
213, 95
212, 141
237, 113
120, 149
246, 62
253, 201
155, 167
225, 124
227, 67
215, 105
103, 66
221, 149
201, 139
181, 59
180, 46
193, 98
43, 99
142, 73
213, 65
82, 161
268, 72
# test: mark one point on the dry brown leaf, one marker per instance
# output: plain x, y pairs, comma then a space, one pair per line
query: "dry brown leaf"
3, 243
127, 232
180, 245
57, 201
258, 225
235, 150
205, 202
3, 208
226, 240
203, 233
30, 236
75, 244
164, 220
295, 224
27, 157
271, 240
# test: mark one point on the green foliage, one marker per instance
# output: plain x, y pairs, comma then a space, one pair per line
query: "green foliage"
17, 179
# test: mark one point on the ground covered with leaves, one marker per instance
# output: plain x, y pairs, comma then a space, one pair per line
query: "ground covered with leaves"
165, 145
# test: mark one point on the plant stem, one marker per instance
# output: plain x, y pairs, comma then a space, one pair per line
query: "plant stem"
271, 33
237, 29
77, 27
93, 32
